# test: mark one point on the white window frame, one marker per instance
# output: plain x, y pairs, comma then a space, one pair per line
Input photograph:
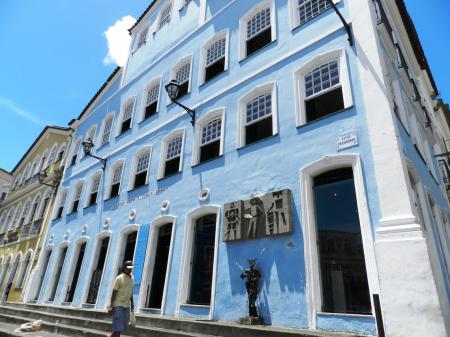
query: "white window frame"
101, 134
8, 220
316, 61
25, 213
130, 100
144, 30
200, 124
91, 133
52, 154
148, 269
313, 284
91, 184
63, 191
173, 72
242, 108
48, 192
144, 149
16, 216
107, 194
37, 199
183, 285
164, 145
61, 148
204, 51
20, 281
49, 282
26, 172
43, 160
75, 150
151, 84
293, 14
247, 16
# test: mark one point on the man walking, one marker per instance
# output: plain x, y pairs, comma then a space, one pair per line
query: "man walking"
122, 300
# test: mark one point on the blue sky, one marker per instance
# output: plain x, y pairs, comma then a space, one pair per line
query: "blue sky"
52, 54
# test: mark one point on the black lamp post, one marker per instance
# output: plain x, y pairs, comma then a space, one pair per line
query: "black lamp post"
87, 148
173, 90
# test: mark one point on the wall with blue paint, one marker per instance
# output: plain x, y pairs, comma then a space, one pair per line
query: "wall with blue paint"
256, 169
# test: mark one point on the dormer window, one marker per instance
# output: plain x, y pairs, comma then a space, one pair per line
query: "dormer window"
165, 15
142, 39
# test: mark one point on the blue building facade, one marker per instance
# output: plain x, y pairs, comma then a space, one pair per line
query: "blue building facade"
300, 157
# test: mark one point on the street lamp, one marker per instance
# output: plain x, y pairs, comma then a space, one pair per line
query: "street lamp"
87, 148
173, 90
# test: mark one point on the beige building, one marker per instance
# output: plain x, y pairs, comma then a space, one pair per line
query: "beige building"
5, 183
26, 211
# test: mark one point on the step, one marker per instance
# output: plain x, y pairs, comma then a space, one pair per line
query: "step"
91, 318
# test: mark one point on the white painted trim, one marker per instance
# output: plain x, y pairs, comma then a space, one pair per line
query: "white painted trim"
150, 260
242, 105
314, 62
330, 162
247, 16
203, 53
213, 96
184, 60
293, 14
184, 280
152, 83
56, 260
99, 172
93, 261
164, 145
74, 192
200, 124
102, 130
107, 194
123, 106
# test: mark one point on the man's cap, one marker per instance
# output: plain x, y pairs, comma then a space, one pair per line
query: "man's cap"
128, 265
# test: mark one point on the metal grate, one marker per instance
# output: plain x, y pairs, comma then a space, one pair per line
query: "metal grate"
215, 52
308, 9
152, 94
182, 74
128, 111
259, 22
259, 107
95, 183
211, 131
174, 148
142, 38
165, 15
117, 174
322, 78
142, 163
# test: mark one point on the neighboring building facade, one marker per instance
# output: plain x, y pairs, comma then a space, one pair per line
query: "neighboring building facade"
24, 213
5, 183
313, 156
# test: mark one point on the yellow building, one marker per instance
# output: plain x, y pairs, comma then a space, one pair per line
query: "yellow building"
26, 211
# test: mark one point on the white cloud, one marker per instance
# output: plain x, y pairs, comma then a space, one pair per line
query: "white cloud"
14, 109
118, 40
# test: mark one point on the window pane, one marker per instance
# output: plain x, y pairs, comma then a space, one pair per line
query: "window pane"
308, 9
215, 52
322, 78
341, 255
106, 131
142, 163
258, 23
165, 15
142, 37
182, 74
259, 107
211, 131
324, 105
152, 94
174, 148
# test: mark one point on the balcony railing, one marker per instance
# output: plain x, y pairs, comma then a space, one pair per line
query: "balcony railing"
11, 236
26, 231
36, 227
445, 173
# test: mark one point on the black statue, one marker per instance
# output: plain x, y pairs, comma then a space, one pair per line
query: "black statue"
252, 276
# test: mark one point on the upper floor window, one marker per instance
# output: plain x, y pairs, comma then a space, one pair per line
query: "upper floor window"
62, 201
8, 220
258, 120
26, 172
215, 56
164, 17
34, 208
208, 137
152, 98
142, 39
44, 204
52, 155
257, 28
141, 165
61, 151
16, 217
76, 197
115, 178
323, 87
127, 114
182, 76
76, 149
309, 9
34, 167
106, 129
24, 214
95, 184
43, 161
172, 150
90, 135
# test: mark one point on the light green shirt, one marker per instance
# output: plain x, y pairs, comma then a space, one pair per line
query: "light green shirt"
124, 287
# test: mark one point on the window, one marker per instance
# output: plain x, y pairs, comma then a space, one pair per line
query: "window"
61, 151
34, 208
34, 167
142, 161
142, 39
52, 155
95, 183
258, 118
116, 176
8, 220
90, 135
172, 153
106, 133
215, 56
44, 204
257, 28
164, 16
208, 137
182, 75
62, 201
43, 160
26, 173
16, 217
76, 149
323, 87
309, 9
151, 102
76, 197
25, 211
127, 115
